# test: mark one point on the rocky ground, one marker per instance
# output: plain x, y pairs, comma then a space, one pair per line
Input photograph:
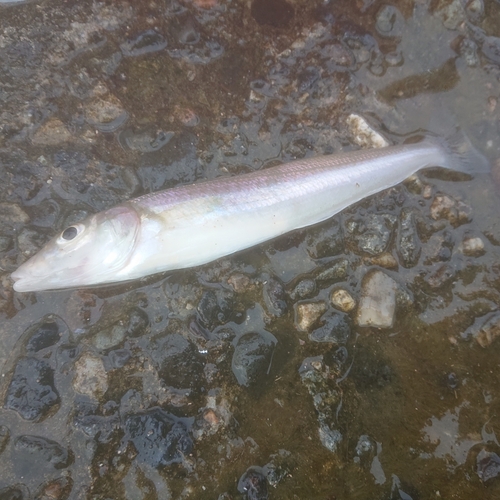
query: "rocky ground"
355, 359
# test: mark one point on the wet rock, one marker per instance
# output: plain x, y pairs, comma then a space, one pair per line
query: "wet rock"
101, 428
439, 248
91, 378
119, 357
13, 214
145, 43
333, 272
105, 113
317, 378
159, 438
364, 135
44, 334
252, 357
390, 21
304, 289
472, 246
488, 465
4, 437
307, 314
445, 207
469, 51
45, 450
57, 489
366, 450
253, 484
441, 276
51, 133
31, 391
335, 328
409, 247
178, 361
377, 305
144, 142
216, 308
18, 492
485, 329
274, 13
371, 234
325, 240
275, 297
239, 282
307, 79
342, 300
385, 260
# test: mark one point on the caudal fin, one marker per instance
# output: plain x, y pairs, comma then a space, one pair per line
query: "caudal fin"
461, 155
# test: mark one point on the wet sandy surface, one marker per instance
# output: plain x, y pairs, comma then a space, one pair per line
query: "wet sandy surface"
354, 359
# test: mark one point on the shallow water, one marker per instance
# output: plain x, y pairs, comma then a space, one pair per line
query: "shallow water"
240, 379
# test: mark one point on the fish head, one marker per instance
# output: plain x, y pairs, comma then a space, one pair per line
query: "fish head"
86, 253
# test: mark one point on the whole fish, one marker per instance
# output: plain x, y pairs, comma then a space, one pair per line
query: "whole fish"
191, 225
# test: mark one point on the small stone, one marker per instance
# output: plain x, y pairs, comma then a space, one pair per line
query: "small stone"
31, 391
307, 314
45, 450
488, 465
253, 484
409, 247
275, 297
385, 260
13, 214
335, 328
57, 489
343, 300
472, 246
252, 357
51, 133
444, 207
106, 114
364, 135
378, 300
160, 439
91, 378
240, 282
485, 329
304, 289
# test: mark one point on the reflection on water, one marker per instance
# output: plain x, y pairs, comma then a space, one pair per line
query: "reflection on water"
354, 359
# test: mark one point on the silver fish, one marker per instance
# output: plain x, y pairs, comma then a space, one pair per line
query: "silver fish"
195, 224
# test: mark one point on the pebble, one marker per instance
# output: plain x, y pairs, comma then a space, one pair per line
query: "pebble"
472, 246
252, 357
159, 438
91, 378
239, 282
444, 207
386, 260
31, 391
409, 247
377, 305
485, 329
335, 329
304, 289
51, 133
343, 300
307, 314
45, 450
13, 214
253, 484
364, 135
488, 465
106, 114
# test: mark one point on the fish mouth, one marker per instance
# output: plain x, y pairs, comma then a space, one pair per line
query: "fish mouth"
28, 283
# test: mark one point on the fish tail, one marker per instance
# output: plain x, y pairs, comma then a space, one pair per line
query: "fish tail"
461, 155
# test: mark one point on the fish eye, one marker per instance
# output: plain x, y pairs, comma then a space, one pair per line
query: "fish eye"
69, 233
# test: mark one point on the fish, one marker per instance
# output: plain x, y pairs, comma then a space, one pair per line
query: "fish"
191, 225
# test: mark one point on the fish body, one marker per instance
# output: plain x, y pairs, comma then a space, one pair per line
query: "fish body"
194, 224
